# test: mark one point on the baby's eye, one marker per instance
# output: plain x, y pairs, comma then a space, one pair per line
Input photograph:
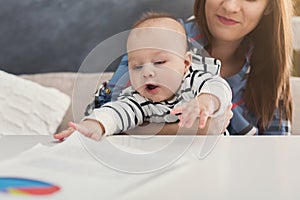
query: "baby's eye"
159, 62
137, 67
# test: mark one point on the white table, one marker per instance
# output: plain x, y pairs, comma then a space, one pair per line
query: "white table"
14, 144
262, 167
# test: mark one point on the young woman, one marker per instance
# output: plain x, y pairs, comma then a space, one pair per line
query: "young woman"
253, 41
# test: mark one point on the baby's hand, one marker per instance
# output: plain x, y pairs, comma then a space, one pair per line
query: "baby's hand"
65, 133
201, 107
89, 128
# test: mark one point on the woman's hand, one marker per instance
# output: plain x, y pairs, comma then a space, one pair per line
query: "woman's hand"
89, 128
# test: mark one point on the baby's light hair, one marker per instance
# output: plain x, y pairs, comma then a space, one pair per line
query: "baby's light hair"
151, 15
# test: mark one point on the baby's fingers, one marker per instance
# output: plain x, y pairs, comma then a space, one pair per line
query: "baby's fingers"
63, 134
203, 118
177, 110
188, 120
188, 117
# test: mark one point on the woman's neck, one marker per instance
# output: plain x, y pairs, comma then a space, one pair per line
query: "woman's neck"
230, 54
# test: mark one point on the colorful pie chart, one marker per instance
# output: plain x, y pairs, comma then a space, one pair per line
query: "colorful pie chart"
23, 186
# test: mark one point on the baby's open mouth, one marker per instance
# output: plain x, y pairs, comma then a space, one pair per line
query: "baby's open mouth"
151, 86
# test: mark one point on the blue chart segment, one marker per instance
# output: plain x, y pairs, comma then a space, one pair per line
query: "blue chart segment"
23, 186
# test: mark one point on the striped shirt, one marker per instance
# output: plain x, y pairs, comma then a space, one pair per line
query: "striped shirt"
131, 109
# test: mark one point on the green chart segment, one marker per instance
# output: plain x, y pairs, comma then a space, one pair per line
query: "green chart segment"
23, 186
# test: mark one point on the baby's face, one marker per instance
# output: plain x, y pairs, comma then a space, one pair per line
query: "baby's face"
156, 74
157, 58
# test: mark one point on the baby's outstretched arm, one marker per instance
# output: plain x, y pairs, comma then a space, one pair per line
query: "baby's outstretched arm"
89, 128
201, 107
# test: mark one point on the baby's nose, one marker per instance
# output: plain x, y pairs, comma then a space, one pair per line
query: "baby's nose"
148, 71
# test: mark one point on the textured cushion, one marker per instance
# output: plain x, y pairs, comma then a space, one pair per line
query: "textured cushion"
62, 81
65, 81
29, 108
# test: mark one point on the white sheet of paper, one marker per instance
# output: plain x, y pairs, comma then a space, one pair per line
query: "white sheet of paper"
71, 166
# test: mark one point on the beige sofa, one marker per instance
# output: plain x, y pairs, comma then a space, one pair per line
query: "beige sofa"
73, 83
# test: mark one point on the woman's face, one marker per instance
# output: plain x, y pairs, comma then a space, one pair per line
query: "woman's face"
231, 20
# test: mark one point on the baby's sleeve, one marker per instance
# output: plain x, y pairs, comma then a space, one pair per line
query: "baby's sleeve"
118, 116
218, 87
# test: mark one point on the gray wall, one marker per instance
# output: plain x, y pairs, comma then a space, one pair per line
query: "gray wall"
38, 36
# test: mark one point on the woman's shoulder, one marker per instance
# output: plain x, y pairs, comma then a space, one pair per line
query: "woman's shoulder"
191, 26
195, 36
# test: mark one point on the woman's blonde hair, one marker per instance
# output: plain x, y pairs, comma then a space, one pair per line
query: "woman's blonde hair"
268, 85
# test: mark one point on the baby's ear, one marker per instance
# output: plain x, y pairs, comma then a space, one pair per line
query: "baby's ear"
187, 61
